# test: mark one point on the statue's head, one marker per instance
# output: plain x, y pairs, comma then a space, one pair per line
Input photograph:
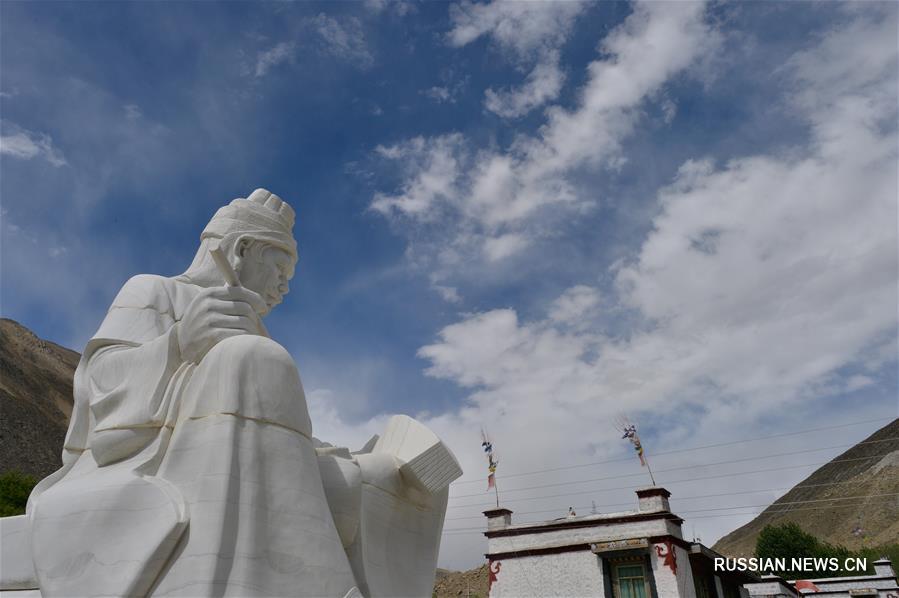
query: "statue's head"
256, 236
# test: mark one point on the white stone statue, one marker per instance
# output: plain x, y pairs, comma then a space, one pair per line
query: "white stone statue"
189, 465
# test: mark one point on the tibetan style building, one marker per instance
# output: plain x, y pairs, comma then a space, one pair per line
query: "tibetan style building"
635, 554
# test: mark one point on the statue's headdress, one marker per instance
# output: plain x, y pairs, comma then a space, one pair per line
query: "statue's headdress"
263, 216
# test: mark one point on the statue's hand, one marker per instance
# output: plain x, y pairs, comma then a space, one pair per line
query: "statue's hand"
215, 314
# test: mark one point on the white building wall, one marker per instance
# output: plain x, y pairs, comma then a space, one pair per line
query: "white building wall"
580, 574
846, 584
834, 587
669, 585
654, 503
584, 535
769, 587
564, 574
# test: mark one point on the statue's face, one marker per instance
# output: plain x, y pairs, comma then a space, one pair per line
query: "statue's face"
268, 272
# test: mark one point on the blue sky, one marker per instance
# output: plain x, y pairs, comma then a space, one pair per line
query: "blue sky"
533, 217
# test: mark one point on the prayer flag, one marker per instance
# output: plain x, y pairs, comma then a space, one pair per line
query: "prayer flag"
630, 433
491, 460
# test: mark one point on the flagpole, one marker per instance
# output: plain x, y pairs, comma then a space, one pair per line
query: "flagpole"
630, 433
491, 465
651, 477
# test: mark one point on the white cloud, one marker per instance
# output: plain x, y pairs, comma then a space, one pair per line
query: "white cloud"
521, 28
542, 85
800, 279
492, 194
497, 248
376, 5
574, 304
452, 87
448, 294
669, 110
21, 143
858, 382
133, 112
657, 41
482, 350
433, 166
528, 32
268, 59
400, 7
343, 39
774, 304
760, 281
439, 94
331, 428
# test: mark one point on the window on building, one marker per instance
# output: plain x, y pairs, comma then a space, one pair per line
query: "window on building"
630, 580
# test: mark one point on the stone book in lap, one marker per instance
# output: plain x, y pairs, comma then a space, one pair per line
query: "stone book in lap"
189, 465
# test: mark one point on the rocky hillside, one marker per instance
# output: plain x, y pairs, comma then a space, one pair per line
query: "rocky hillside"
849, 492
464, 584
35, 400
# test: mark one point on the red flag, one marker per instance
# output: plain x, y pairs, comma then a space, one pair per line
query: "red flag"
804, 584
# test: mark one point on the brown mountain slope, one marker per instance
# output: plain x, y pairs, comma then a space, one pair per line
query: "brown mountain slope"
467, 584
865, 473
35, 400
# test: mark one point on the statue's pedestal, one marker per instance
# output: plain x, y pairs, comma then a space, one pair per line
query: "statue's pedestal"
17, 577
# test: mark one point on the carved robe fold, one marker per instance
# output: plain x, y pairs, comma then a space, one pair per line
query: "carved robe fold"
184, 479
